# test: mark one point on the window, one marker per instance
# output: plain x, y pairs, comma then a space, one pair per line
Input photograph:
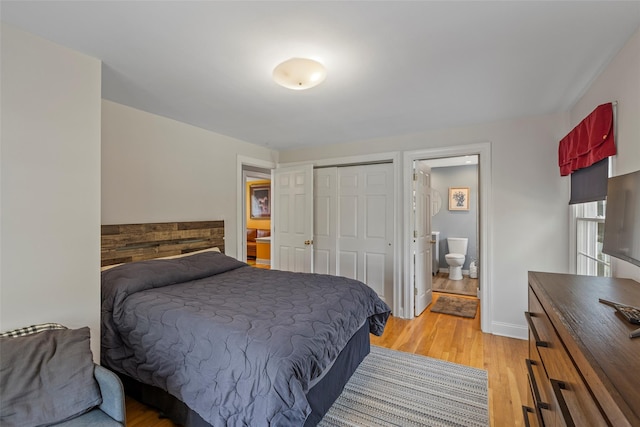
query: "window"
589, 220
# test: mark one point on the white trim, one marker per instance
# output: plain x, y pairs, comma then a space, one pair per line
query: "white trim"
241, 222
486, 245
395, 158
257, 175
355, 160
573, 242
510, 330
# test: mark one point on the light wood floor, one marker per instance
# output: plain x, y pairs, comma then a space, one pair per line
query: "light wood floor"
252, 263
460, 340
441, 336
466, 286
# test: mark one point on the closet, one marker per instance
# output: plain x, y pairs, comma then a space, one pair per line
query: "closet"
353, 224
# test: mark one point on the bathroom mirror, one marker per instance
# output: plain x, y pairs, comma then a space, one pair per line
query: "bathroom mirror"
436, 201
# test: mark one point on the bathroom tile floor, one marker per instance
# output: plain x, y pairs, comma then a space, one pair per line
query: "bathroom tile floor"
466, 286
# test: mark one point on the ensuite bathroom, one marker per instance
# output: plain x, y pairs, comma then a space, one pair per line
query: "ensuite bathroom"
454, 223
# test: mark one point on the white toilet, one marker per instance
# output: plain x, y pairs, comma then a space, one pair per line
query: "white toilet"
455, 257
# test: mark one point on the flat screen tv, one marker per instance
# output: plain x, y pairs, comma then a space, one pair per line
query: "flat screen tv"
622, 220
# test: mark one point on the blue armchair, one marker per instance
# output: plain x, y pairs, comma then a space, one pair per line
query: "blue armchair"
49, 377
111, 412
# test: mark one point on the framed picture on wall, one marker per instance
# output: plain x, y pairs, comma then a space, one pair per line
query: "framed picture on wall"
260, 195
458, 198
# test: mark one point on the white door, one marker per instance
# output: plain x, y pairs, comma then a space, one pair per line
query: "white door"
325, 208
365, 226
422, 237
292, 241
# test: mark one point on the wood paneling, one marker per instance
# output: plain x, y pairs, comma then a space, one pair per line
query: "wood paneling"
138, 242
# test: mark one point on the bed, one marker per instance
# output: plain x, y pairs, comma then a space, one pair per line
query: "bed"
212, 341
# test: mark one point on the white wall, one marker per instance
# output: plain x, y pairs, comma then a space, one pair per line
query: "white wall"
529, 228
620, 81
155, 169
530, 218
50, 185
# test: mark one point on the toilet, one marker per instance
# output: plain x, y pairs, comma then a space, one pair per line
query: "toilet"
455, 257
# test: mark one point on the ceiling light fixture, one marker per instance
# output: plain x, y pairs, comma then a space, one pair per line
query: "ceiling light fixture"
299, 73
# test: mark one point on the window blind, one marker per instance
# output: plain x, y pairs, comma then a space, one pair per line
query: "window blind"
590, 184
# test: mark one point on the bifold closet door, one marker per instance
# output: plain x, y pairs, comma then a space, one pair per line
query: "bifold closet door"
365, 226
325, 206
353, 224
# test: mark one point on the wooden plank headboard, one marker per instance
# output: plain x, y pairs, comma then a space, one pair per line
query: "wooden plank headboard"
137, 242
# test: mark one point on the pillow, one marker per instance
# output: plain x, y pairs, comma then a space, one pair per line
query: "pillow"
190, 253
46, 377
107, 267
33, 329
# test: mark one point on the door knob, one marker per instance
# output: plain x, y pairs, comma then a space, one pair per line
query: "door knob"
308, 242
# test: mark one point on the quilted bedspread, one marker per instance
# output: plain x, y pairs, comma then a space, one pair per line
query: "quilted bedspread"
237, 344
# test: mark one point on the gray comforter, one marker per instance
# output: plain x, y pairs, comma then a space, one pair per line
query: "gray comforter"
239, 345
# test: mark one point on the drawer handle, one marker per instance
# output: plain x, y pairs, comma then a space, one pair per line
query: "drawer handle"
536, 393
536, 337
525, 413
558, 386
526, 410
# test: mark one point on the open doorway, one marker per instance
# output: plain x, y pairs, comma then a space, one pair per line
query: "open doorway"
253, 174
257, 218
484, 267
455, 224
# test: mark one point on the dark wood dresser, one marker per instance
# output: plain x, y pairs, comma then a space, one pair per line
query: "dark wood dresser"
584, 370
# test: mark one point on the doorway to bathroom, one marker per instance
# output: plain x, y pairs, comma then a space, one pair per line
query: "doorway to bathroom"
454, 224
474, 192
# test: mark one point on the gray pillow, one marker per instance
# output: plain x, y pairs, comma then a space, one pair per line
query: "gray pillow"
46, 377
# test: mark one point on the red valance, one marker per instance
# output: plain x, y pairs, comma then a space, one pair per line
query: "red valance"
589, 142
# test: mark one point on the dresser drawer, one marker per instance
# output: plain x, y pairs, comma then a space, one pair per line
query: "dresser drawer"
539, 402
570, 402
571, 396
590, 362
530, 418
540, 325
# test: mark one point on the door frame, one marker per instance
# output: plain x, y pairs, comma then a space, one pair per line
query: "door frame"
241, 197
398, 245
483, 150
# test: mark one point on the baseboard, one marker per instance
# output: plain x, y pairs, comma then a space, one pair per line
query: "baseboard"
510, 330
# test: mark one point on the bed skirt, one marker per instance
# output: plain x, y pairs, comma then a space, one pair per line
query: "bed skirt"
320, 397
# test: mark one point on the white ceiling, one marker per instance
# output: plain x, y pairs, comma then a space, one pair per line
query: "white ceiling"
393, 67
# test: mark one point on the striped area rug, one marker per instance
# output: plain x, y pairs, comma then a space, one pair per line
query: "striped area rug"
392, 388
